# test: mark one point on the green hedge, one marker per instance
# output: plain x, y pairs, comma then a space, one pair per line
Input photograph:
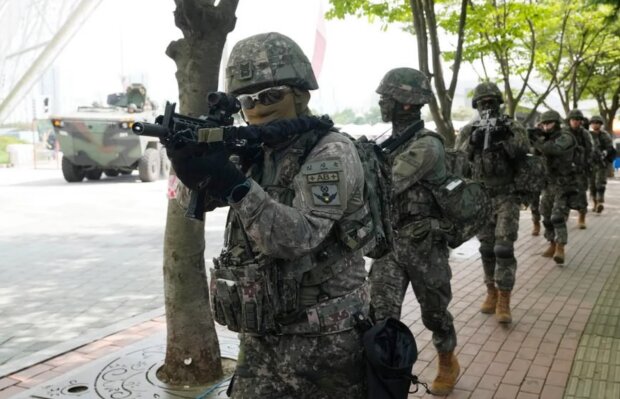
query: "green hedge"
4, 141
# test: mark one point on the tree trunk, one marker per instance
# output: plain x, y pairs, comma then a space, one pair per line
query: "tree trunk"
425, 26
192, 349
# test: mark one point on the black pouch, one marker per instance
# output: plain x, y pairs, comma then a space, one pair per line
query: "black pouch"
390, 351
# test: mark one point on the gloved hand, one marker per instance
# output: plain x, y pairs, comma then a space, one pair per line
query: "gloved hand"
202, 166
477, 138
418, 230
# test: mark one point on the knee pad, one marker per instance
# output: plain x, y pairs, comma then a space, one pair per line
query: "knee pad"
557, 219
504, 250
486, 251
436, 321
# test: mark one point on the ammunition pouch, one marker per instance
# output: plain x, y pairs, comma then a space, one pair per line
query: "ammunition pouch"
355, 231
272, 297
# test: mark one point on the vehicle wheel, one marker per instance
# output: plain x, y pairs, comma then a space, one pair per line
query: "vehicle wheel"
149, 165
165, 163
72, 173
94, 174
111, 172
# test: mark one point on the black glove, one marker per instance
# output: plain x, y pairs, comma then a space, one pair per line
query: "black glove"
202, 166
477, 138
500, 133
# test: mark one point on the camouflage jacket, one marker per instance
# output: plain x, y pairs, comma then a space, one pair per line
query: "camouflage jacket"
603, 145
558, 148
420, 160
496, 166
282, 243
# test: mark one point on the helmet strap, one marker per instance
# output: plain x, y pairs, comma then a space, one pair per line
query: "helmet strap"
302, 98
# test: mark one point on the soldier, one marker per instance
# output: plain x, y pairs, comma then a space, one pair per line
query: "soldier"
558, 147
420, 255
286, 281
583, 154
495, 144
604, 153
533, 199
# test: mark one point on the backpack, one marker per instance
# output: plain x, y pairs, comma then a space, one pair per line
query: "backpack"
530, 175
462, 201
377, 194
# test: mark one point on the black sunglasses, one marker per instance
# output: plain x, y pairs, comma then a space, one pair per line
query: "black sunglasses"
267, 96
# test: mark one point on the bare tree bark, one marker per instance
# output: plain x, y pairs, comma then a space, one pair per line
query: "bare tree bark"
425, 26
192, 350
608, 111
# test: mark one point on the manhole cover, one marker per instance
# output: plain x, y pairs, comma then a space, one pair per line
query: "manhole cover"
130, 374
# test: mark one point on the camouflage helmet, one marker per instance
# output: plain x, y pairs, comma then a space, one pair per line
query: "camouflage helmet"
486, 89
597, 119
551, 116
267, 60
406, 85
575, 114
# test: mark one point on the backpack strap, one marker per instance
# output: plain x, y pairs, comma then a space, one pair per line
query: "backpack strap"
394, 142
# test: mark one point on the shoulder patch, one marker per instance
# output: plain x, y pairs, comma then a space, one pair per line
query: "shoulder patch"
325, 194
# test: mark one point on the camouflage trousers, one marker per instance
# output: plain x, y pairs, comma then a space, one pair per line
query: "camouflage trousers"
424, 265
298, 366
497, 240
555, 205
598, 183
532, 200
580, 202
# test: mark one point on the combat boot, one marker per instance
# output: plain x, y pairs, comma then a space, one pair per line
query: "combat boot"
447, 373
581, 223
536, 229
595, 206
502, 310
558, 256
488, 306
599, 206
550, 250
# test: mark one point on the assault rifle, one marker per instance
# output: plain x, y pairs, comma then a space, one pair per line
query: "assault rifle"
534, 133
244, 141
172, 129
495, 128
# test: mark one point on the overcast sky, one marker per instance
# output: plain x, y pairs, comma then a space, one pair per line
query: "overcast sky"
129, 38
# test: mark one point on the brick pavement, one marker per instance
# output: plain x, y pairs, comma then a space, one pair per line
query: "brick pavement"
565, 333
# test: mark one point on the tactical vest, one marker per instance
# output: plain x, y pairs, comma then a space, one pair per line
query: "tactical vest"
561, 167
583, 149
493, 168
259, 295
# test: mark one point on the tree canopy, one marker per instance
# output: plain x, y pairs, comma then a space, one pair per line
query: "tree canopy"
532, 49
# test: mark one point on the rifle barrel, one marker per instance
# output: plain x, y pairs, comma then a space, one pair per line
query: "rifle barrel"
149, 129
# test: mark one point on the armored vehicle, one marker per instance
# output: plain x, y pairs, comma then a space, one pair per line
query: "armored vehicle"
98, 139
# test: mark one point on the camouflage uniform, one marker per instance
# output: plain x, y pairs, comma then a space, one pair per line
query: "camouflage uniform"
562, 191
421, 261
420, 254
603, 145
583, 154
285, 280
495, 168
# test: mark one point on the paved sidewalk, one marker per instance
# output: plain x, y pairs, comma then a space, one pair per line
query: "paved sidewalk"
564, 340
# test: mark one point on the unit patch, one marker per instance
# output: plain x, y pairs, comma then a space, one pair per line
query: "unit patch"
325, 194
328, 165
